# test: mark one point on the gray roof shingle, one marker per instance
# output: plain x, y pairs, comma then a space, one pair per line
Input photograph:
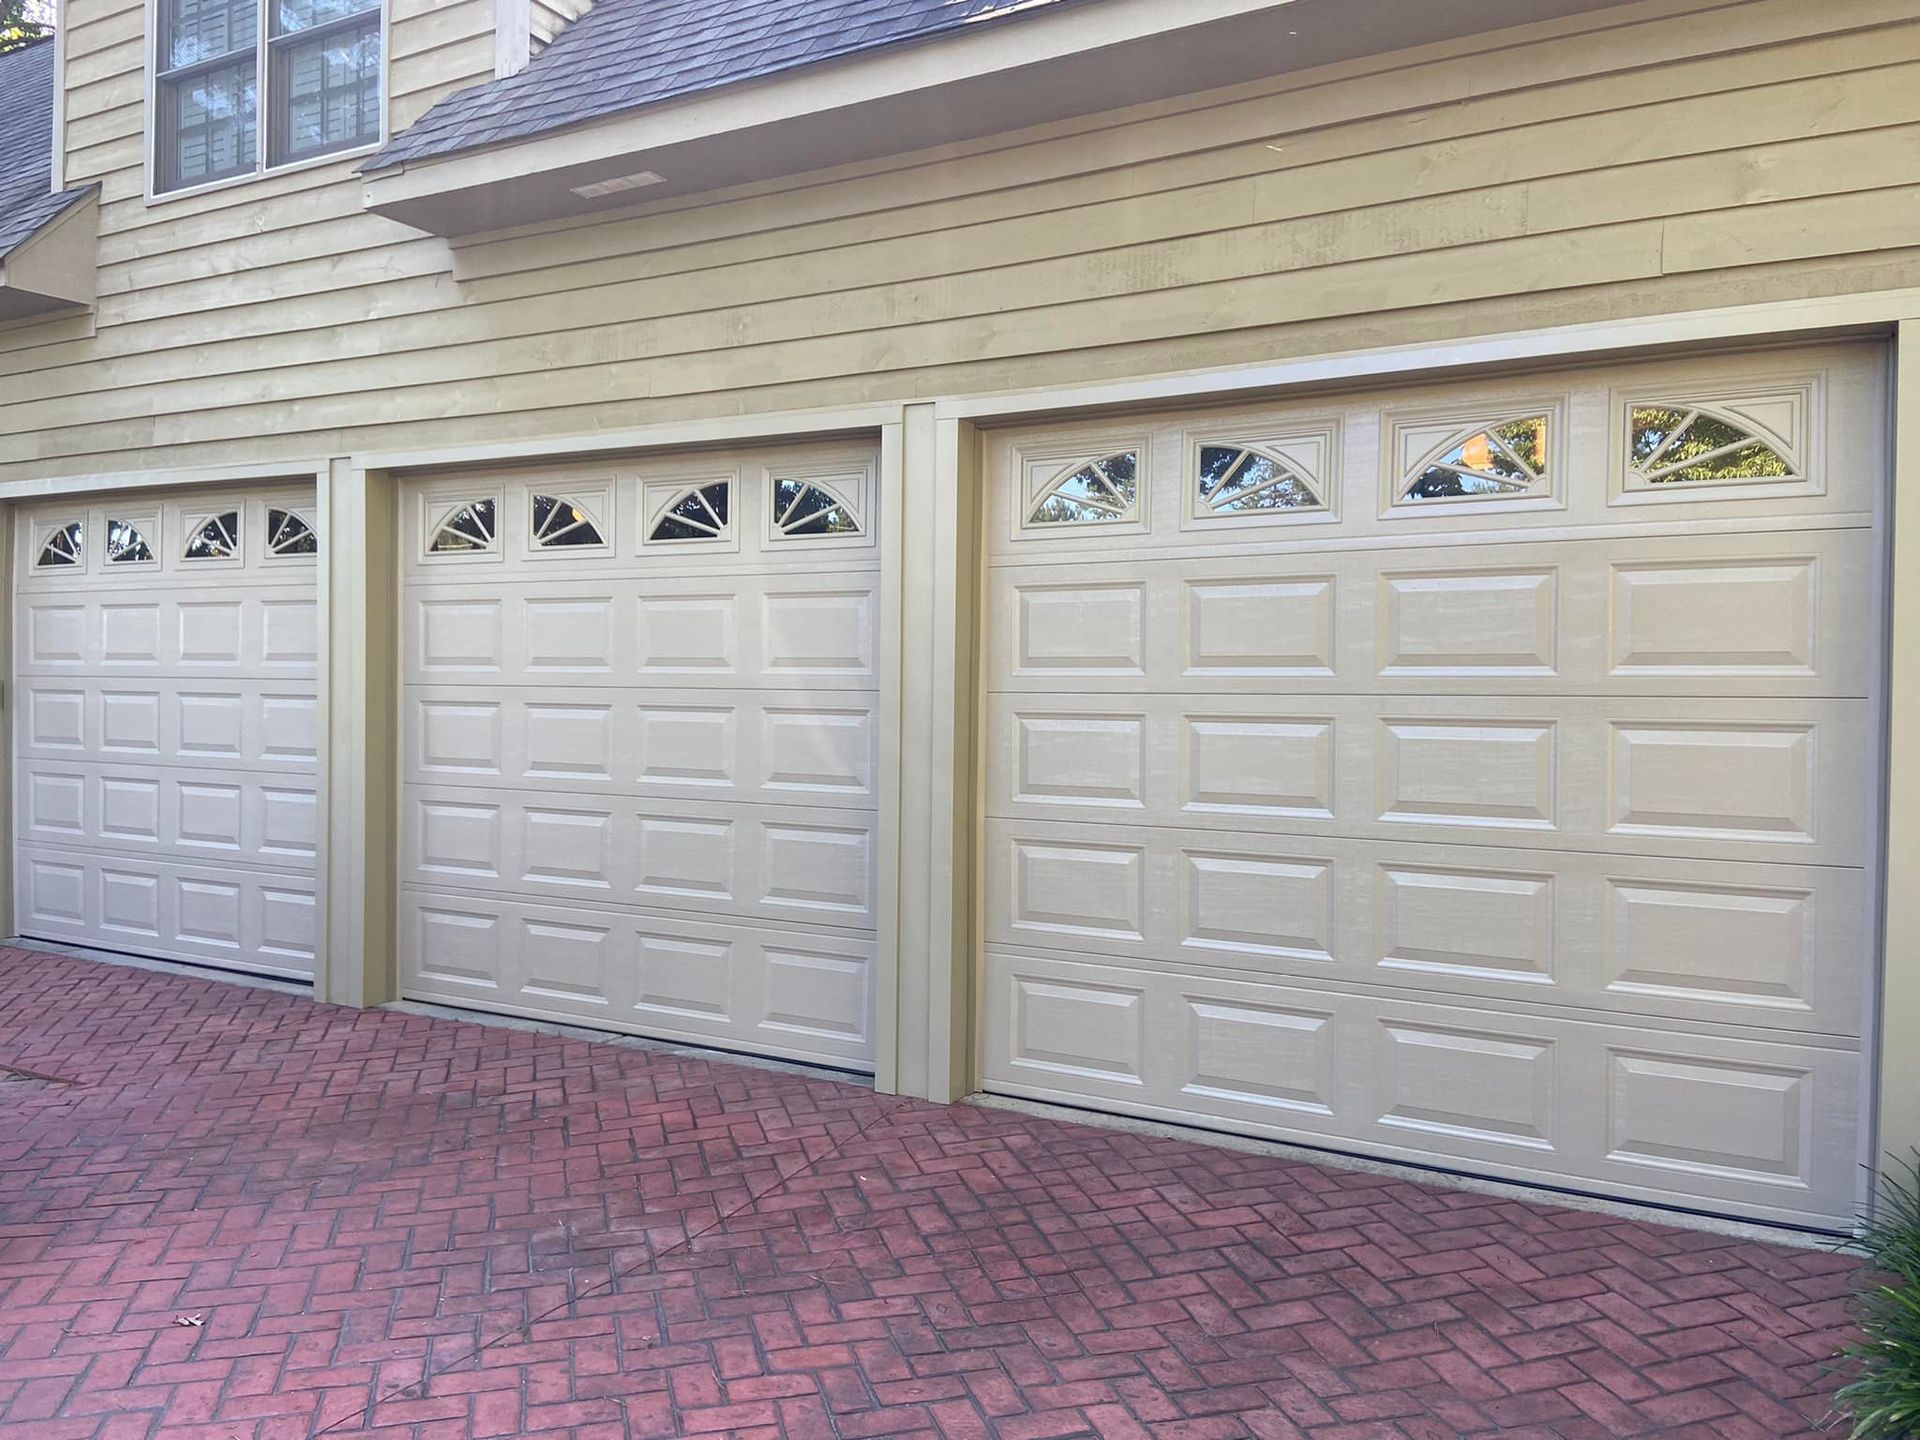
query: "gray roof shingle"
26, 145
624, 54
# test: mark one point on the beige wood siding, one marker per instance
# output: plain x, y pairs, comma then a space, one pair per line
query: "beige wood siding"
550, 17
1656, 157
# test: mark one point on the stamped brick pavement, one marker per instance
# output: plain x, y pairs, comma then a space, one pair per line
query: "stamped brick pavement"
398, 1226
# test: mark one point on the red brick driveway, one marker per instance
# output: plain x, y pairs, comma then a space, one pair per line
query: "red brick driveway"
393, 1225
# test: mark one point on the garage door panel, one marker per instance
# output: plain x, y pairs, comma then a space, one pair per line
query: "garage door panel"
713, 982
717, 631
1657, 1114
1764, 780
247, 724
769, 746
1760, 946
786, 864
267, 629
1765, 613
232, 814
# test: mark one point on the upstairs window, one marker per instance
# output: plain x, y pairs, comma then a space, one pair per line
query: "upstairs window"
241, 85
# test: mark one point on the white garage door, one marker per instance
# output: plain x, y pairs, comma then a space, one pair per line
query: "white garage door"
165, 732
1484, 776
640, 748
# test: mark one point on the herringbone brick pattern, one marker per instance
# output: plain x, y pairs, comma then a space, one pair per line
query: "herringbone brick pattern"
395, 1226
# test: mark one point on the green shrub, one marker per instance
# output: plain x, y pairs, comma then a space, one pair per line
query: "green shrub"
1882, 1397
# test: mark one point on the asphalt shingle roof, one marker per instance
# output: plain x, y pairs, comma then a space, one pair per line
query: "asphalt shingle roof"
26, 145
624, 54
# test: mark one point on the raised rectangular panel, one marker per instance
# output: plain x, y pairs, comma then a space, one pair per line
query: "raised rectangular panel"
211, 726
1258, 905
1260, 1055
1264, 767
57, 634
1260, 627
686, 857
1714, 780
289, 821
1092, 890
570, 742
460, 736
130, 722
1724, 617
209, 815
816, 994
1468, 1084
1092, 1031
56, 804
685, 977
459, 947
1479, 924
1469, 772
460, 839
208, 911
568, 847
289, 727
1728, 944
1463, 622
57, 719
819, 632
210, 632
562, 961
687, 744
129, 635
130, 903
1080, 629
130, 809
287, 924
461, 635
826, 750
1710, 1116
289, 632
55, 892
688, 633
571, 636
1081, 759
817, 867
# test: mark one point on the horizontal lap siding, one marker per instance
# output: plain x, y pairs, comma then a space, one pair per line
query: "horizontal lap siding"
1660, 157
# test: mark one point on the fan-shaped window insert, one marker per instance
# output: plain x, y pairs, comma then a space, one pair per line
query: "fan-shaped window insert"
558, 521
1096, 493
801, 507
1501, 462
1681, 444
698, 513
288, 534
1241, 481
218, 538
126, 545
64, 546
467, 528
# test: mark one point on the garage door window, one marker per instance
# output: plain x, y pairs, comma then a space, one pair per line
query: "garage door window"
289, 534
215, 538
1236, 480
1099, 492
1680, 444
564, 522
466, 529
127, 544
805, 508
1503, 461
65, 546
699, 512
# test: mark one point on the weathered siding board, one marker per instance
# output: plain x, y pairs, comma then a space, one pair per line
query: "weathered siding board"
1577, 173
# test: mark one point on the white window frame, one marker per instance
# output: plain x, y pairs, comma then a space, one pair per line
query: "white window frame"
263, 146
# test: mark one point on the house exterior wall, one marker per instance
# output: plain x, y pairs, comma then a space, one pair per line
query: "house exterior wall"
1659, 157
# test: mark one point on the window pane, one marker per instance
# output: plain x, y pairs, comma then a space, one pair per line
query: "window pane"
210, 125
199, 30
328, 90
291, 16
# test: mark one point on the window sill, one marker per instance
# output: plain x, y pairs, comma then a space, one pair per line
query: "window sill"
295, 167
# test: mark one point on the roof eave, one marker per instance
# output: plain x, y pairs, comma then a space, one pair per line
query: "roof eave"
56, 268
1057, 64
